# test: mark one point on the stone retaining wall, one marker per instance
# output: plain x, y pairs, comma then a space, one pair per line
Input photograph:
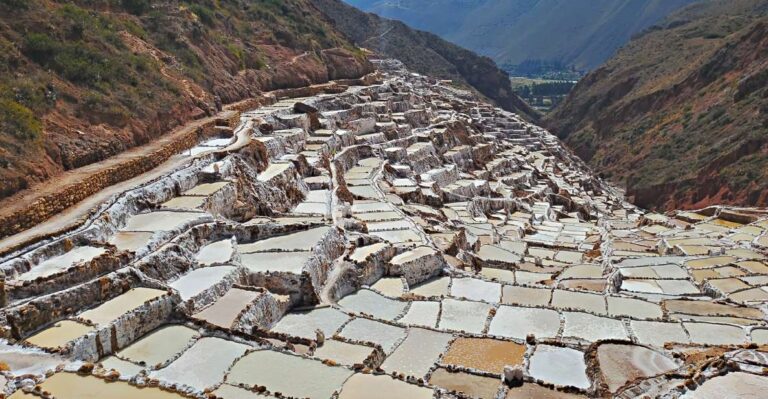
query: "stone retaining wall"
47, 206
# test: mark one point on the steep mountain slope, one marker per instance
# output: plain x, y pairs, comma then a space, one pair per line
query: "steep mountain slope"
425, 53
580, 33
83, 80
680, 115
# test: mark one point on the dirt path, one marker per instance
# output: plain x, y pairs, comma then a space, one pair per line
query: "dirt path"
77, 214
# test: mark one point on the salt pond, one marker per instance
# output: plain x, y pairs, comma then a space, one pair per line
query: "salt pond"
464, 315
203, 365
417, 353
62, 262
559, 366
277, 371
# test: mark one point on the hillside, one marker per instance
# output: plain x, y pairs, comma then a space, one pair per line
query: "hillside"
579, 33
425, 53
83, 80
680, 115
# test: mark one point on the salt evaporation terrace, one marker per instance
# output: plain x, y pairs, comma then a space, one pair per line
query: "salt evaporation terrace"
398, 240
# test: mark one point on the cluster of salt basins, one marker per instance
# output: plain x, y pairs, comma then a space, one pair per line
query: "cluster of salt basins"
398, 240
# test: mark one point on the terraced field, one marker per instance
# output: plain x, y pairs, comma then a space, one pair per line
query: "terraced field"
402, 239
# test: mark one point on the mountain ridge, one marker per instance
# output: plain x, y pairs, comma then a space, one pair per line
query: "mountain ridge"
426, 53
679, 116
513, 32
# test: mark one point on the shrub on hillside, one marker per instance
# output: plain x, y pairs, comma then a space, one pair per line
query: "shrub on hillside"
18, 120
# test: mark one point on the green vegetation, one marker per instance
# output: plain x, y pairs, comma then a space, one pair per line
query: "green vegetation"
18, 120
137, 7
18, 4
205, 14
75, 61
81, 80
547, 70
542, 94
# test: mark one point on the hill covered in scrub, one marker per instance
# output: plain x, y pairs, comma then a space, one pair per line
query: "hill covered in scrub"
426, 53
529, 36
680, 115
84, 80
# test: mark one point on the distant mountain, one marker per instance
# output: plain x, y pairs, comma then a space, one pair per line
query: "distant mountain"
680, 115
579, 33
425, 53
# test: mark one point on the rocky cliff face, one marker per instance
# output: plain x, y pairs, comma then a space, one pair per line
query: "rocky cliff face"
426, 53
679, 116
84, 80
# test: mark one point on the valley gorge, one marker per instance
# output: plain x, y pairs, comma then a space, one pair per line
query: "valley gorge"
295, 199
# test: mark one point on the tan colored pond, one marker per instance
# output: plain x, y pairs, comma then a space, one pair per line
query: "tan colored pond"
225, 310
159, 346
484, 354
577, 300
288, 374
73, 386
505, 276
368, 386
470, 384
124, 367
130, 240
120, 305
706, 308
59, 334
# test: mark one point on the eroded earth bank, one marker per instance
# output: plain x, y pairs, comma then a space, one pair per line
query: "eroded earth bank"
401, 239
